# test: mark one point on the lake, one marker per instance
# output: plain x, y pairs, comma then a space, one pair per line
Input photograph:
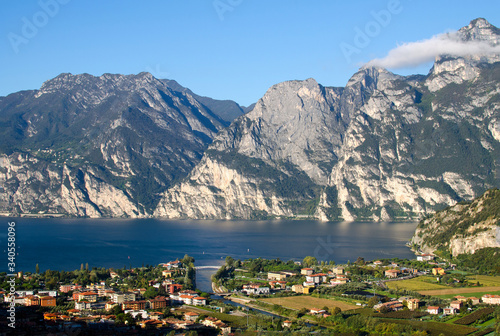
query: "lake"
64, 244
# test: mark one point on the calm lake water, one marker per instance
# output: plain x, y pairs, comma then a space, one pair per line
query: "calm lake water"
64, 244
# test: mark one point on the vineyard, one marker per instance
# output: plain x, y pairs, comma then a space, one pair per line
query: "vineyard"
473, 317
402, 314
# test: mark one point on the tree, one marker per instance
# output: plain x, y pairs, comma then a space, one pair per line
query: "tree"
463, 309
360, 261
373, 301
229, 261
150, 293
129, 319
303, 311
188, 260
116, 310
162, 291
309, 261
37, 269
336, 311
384, 309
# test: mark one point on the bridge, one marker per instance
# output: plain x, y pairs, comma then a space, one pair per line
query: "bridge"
207, 267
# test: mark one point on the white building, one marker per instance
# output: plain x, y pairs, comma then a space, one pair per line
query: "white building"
82, 305
141, 313
425, 257
255, 290
122, 297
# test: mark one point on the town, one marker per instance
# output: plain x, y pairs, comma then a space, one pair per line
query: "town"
424, 296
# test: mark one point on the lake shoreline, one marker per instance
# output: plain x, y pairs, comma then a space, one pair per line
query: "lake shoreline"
119, 243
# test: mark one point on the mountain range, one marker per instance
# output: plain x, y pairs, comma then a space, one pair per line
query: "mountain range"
102, 146
383, 147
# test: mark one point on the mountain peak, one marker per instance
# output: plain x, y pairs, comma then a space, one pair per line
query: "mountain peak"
106, 82
480, 23
480, 30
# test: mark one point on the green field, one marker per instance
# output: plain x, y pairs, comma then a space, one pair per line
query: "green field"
435, 328
466, 294
418, 284
234, 320
485, 280
309, 302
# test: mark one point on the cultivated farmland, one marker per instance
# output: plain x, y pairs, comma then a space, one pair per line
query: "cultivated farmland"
309, 302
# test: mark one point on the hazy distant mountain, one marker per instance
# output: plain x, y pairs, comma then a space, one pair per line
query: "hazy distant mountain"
100, 146
384, 146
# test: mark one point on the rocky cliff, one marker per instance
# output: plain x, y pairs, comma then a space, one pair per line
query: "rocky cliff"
269, 161
462, 228
100, 146
382, 147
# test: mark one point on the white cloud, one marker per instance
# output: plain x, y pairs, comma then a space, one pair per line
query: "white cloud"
413, 54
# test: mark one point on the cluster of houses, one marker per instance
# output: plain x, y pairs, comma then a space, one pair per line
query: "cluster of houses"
393, 270
153, 320
98, 297
454, 306
452, 309
337, 276
29, 298
256, 289
278, 280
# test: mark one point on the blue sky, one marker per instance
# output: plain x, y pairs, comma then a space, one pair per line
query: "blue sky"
225, 49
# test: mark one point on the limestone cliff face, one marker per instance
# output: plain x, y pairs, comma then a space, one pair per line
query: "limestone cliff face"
100, 146
383, 147
216, 191
463, 228
42, 188
274, 155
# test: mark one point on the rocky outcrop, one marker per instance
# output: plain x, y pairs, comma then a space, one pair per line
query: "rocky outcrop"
462, 228
220, 192
273, 156
47, 189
